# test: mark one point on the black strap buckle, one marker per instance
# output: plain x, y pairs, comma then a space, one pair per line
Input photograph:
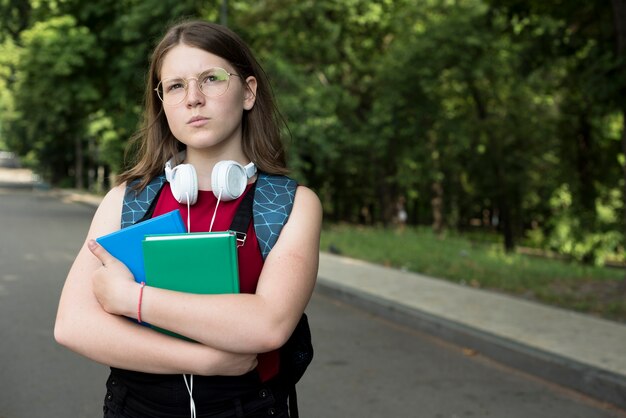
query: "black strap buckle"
241, 238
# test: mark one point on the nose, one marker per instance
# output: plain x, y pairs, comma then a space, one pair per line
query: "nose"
195, 97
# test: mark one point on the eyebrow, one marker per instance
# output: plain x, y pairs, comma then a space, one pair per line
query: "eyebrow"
178, 77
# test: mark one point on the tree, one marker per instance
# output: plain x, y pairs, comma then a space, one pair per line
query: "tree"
126, 32
98, 54
52, 96
474, 125
586, 44
321, 55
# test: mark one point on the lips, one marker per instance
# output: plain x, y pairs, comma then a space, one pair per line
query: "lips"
197, 120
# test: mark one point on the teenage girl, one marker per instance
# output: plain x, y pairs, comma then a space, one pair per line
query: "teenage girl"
206, 95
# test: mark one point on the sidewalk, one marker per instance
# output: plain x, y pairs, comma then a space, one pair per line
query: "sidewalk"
575, 350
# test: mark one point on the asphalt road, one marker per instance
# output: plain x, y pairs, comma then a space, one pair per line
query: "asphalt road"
364, 366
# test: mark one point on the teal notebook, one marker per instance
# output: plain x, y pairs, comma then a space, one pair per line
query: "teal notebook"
200, 262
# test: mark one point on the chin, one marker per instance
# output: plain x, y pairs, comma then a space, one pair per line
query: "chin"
204, 144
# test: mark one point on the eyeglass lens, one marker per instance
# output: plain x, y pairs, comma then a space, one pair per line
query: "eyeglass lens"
212, 83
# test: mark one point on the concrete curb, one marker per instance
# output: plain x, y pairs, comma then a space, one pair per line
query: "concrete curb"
589, 380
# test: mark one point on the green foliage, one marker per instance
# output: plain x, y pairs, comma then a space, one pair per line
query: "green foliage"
568, 235
325, 80
476, 114
52, 94
582, 44
79, 74
8, 62
101, 131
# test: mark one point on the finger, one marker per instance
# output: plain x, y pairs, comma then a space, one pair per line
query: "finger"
99, 251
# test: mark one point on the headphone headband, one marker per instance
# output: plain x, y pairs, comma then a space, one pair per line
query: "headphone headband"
228, 179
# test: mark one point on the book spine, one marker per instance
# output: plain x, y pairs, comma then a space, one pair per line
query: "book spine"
234, 260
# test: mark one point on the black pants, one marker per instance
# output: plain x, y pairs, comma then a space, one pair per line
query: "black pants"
214, 397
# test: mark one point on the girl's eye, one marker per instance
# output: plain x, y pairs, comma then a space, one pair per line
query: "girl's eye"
209, 78
214, 76
174, 86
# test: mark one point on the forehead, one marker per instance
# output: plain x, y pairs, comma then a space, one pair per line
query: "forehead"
185, 61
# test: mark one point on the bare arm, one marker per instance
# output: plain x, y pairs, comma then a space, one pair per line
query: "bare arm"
86, 328
244, 323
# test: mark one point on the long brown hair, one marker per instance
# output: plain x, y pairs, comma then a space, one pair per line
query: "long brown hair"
154, 143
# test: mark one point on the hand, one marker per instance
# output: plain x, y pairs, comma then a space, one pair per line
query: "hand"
113, 284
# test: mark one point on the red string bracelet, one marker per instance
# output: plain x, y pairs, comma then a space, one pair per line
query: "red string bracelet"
142, 284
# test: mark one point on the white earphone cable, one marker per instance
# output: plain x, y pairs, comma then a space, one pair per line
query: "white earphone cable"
188, 213
219, 197
192, 404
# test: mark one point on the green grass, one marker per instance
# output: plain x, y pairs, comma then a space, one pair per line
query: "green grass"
599, 291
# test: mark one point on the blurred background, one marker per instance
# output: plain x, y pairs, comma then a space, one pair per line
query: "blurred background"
480, 141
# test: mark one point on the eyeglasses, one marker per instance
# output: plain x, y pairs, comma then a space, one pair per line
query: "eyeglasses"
212, 83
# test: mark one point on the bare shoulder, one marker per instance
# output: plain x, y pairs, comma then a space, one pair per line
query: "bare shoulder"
114, 197
306, 200
306, 215
116, 193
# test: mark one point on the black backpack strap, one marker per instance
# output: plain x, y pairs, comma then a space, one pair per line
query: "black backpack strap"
292, 398
243, 216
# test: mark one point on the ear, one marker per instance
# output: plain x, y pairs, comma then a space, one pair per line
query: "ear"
249, 94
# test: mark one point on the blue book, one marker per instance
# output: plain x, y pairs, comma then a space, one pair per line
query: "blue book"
126, 244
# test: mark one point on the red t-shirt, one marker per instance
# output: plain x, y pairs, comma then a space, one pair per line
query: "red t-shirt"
249, 255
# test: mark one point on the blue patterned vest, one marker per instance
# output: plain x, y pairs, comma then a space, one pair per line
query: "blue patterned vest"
273, 201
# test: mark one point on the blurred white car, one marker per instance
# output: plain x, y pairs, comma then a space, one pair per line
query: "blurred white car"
9, 160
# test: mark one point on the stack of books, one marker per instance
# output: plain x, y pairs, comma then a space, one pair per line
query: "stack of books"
162, 254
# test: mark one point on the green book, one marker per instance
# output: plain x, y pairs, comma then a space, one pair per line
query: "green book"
201, 263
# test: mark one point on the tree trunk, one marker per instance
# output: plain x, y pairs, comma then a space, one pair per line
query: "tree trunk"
586, 193
503, 189
437, 207
504, 210
78, 149
224, 13
507, 225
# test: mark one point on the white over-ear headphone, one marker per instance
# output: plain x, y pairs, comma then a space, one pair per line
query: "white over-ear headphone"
228, 179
